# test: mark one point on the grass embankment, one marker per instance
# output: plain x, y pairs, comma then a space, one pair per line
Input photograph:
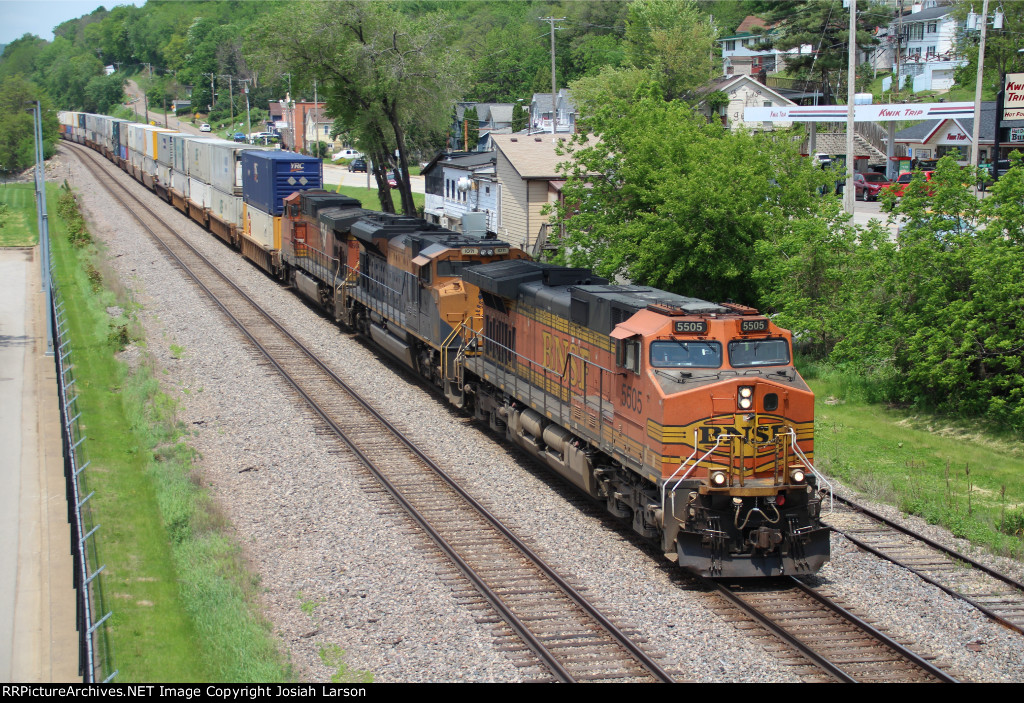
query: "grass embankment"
182, 601
18, 215
950, 473
371, 201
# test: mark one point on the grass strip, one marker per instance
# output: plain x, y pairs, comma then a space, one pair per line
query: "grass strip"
370, 200
183, 602
950, 473
18, 215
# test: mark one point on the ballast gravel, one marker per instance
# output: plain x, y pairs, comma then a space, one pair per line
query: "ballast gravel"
341, 567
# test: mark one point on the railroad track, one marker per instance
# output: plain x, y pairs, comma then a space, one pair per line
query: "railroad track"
570, 638
998, 596
840, 645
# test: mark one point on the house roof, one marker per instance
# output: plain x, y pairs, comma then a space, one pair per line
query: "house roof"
531, 156
930, 14
747, 27
749, 22
501, 112
542, 101
725, 83
486, 112
468, 161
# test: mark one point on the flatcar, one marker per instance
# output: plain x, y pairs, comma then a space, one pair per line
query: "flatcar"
686, 418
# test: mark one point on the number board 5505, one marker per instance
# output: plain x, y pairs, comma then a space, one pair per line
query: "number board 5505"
758, 325
691, 327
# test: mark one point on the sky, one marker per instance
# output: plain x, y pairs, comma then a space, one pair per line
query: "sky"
39, 17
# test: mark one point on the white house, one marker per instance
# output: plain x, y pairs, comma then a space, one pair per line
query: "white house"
739, 58
743, 91
457, 184
540, 112
927, 45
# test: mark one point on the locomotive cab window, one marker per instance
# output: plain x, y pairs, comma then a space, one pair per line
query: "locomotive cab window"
683, 353
628, 354
758, 352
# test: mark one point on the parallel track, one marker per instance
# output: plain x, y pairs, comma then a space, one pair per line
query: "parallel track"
842, 646
568, 635
998, 596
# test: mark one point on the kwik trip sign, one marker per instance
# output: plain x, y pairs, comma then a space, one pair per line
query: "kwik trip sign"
1013, 97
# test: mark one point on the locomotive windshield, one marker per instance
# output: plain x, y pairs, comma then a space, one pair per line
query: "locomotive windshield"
686, 354
758, 352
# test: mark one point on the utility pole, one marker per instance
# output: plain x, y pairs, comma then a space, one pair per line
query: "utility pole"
849, 192
554, 89
231, 98
213, 94
899, 42
248, 123
975, 143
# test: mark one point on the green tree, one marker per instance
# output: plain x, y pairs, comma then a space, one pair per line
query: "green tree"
519, 117
824, 26
102, 93
675, 40
17, 129
389, 77
20, 56
663, 198
472, 128
1002, 45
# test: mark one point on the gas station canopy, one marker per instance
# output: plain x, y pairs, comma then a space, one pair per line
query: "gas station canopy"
861, 113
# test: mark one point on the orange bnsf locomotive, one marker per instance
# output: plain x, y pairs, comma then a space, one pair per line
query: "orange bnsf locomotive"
686, 417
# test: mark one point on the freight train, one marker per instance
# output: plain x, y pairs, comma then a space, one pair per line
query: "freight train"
686, 418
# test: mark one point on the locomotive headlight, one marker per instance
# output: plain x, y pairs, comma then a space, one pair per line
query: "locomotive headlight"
797, 476
718, 478
746, 399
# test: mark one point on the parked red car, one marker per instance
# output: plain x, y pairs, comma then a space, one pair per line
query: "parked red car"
869, 184
904, 180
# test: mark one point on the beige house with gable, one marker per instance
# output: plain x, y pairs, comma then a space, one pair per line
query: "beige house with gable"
527, 169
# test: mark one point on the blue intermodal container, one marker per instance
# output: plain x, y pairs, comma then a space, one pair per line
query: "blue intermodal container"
270, 176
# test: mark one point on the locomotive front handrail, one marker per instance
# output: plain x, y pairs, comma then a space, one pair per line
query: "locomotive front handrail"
807, 463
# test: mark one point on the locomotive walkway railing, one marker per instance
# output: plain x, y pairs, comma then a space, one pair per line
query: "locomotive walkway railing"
91, 646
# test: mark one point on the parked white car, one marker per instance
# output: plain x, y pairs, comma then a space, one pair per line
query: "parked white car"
204, 127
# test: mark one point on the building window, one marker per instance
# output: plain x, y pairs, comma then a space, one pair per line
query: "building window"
930, 51
933, 27
730, 45
916, 31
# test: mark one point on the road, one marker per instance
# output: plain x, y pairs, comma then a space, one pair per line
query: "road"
340, 175
136, 102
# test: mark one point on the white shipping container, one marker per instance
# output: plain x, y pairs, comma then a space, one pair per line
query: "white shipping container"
259, 226
200, 193
227, 207
164, 147
226, 165
163, 173
134, 157
201, 157
179, 181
